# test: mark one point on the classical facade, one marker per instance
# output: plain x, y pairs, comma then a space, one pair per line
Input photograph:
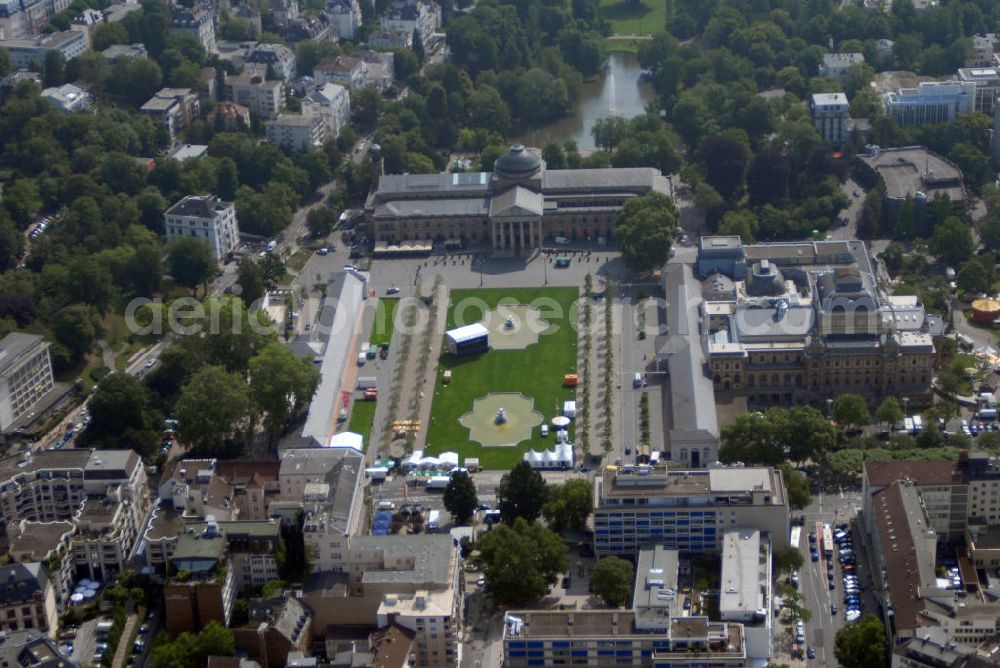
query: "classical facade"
514, 208
800, 323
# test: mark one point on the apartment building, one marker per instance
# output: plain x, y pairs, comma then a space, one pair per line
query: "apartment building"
297, 133
195, 21
412, 582
422, 17
21, 19
636, 507
391, 39
930, 102
802, 322
87, 22
68, 98
32, 649
344, 17
835, 65
278, 626
908, 508
327, 484
126, 52
51, 485
46, 542
107, 532
983, 49
332, 104
278, 56
173, 109
955, 495
348, 71
830, 112
932, 648
200, 588
27, 599
256, 93
23, 52
25, 376
194, 490
204, 217
235, 117
610, 637
381, 66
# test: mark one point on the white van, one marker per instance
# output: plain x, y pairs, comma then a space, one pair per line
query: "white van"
637, 380
545, 430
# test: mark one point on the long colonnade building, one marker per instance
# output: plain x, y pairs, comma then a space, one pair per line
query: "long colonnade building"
514, 208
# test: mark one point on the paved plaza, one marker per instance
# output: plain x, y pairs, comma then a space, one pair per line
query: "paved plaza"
520, 419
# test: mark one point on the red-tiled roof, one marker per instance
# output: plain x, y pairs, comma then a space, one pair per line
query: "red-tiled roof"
883, 474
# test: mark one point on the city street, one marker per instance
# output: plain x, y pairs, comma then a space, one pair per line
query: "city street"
636, 355
822, 628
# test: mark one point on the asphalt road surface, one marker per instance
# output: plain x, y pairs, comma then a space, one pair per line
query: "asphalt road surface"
822, 628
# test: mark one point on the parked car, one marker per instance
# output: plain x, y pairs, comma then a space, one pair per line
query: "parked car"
811, 653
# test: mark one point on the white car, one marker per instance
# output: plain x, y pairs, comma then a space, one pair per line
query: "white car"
323, 251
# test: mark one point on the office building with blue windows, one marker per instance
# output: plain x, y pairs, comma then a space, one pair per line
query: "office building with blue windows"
610, 638
637, 507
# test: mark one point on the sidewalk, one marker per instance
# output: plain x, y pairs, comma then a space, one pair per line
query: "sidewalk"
124, 641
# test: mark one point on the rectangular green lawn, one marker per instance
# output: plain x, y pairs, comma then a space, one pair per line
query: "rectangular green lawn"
362, 419
633, 17
536, 371
383, 324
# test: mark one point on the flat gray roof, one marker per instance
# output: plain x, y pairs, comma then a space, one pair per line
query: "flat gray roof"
655, 578
692, 395
740, 594
434, 207
431, 555
908, 170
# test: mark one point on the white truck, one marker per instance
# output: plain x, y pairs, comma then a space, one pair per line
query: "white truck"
378, 473
438, 482
366, 382
433, 521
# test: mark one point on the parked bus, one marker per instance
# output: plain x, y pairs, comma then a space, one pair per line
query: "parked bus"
827, 541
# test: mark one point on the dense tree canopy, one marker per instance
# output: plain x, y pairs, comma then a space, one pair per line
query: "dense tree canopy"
612, 580
645, 228
521, 493
460, 497
520, 561
568, 505
861, 644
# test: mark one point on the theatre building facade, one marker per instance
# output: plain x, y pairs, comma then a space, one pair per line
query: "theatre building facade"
517, 207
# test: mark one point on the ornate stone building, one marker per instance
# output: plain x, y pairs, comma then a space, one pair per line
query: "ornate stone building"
800, 323
514, 208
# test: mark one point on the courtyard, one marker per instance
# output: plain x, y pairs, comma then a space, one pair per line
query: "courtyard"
524, 374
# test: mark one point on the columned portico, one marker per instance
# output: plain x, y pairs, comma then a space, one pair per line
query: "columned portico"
516, 234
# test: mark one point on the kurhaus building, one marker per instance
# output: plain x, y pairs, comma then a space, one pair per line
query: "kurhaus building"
513, 208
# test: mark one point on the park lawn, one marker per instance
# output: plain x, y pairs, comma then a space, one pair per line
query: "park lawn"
537, 372
629, 17
384, 321
362, 419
